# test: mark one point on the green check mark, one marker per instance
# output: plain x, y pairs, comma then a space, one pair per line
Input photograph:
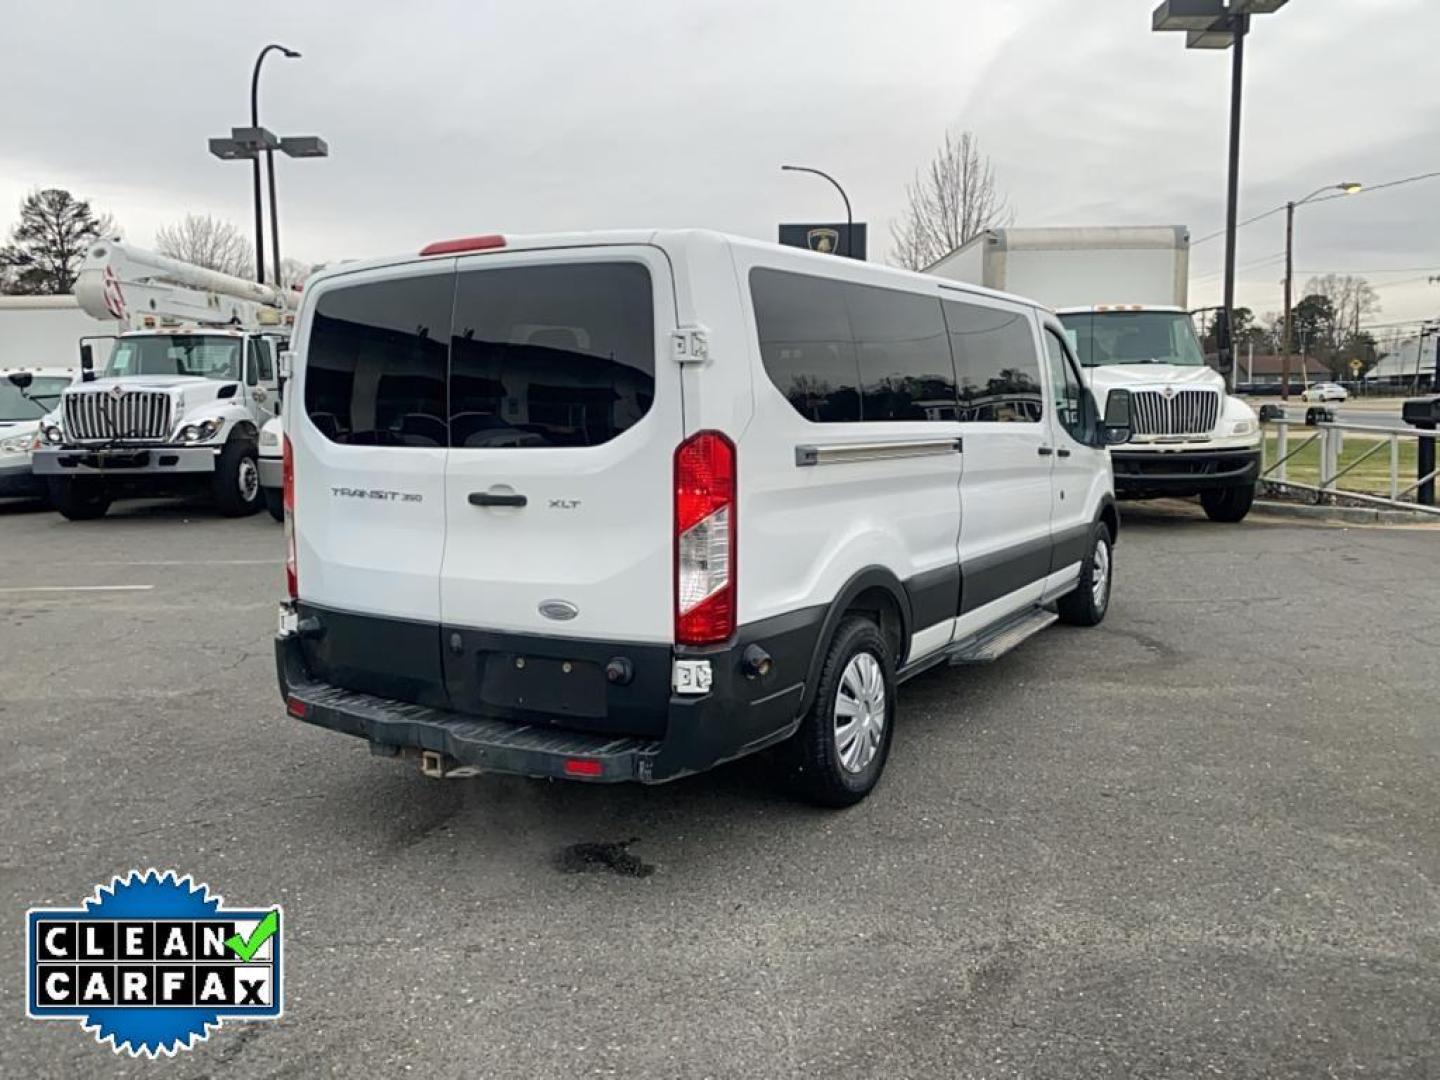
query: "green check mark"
246, 948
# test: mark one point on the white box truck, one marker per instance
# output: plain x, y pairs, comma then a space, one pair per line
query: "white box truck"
1121, 293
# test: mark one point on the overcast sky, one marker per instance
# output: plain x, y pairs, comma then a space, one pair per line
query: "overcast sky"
450, 118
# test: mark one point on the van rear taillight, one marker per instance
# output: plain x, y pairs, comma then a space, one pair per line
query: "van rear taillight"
705, 496
292, 577
462, 244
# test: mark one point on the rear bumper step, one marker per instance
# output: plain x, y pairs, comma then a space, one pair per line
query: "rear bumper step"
736, 717
487, 744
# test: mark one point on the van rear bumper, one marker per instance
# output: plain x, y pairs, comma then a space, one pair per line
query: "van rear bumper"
737, 717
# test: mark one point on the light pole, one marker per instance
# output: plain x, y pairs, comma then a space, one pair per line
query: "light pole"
247, 144
849, 220
290, 54
1349, 187
1214, 24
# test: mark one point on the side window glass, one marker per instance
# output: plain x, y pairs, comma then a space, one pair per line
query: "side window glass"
263, 347
806, 344
906, 372
996, 365
376, 362
1064, 387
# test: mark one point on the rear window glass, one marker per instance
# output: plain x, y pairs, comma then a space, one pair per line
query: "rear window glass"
376, 362
996, 363
560, 355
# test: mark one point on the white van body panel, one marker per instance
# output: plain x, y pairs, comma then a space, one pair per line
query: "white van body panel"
596, 530
806, 531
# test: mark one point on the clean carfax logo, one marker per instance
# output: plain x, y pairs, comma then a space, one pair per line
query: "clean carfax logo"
152, 962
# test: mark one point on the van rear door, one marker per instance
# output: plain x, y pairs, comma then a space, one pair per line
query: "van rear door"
367, 425
565, 414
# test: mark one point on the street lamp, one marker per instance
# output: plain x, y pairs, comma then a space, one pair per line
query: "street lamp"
849, 220
1349, 187
246, 144
1213, 24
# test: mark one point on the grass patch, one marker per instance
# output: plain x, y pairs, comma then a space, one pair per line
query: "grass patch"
1371, 476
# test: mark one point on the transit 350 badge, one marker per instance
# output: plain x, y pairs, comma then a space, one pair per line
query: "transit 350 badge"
152, 962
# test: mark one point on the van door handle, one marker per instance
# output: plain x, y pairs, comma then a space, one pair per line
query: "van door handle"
1044, 451
495, 498
1063, 452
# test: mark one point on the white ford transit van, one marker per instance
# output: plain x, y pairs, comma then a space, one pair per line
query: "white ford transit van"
622, 506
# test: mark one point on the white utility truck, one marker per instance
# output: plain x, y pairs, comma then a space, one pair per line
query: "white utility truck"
1121, 294
183, 395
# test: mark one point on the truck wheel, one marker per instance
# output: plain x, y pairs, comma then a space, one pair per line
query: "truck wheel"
1228, 504
839, 752
77, 500
275, 503
237, 479
1087, 605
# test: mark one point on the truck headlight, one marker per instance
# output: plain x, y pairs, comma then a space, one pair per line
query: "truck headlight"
269, 438
1242, 427
15, 446
206, 429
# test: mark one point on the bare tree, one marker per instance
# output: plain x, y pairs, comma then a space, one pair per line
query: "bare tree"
1352, 300
952, 200
207, 241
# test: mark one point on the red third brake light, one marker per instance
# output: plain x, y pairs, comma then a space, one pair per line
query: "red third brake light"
464, 244
705, 550
292, 577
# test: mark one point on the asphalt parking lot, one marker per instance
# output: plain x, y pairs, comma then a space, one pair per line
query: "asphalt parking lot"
1201, 839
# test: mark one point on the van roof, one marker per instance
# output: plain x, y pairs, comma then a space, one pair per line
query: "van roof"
775, 254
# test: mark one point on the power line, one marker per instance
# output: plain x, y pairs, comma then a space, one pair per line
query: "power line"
1327, 198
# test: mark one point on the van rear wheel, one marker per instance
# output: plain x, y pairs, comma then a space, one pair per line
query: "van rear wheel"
840, 751
77, 500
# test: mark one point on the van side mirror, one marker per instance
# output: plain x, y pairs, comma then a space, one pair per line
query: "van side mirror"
21, 380
1119, 425
87, 362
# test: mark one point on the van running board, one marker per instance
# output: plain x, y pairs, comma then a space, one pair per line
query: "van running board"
997, 642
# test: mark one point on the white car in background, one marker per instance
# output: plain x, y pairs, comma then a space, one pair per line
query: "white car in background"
26, 396
1325, 391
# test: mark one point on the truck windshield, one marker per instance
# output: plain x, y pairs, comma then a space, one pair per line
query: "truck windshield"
39, 398
1133, 337
176, 354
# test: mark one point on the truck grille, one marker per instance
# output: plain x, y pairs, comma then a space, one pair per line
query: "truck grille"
1187, 412
97, 414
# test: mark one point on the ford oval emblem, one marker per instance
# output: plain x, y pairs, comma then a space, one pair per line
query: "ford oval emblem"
560, 610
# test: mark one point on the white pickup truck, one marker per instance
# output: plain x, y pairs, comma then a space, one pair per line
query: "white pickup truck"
1121, 294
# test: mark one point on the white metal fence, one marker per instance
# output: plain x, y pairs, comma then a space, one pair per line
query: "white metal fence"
1399, 489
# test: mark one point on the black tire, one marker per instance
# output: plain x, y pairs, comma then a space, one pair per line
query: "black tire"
816, 771
275, 503
77, 500
1228, 504
237, 479
1087, 605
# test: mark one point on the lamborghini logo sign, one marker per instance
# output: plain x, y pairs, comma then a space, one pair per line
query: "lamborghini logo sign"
824, 241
